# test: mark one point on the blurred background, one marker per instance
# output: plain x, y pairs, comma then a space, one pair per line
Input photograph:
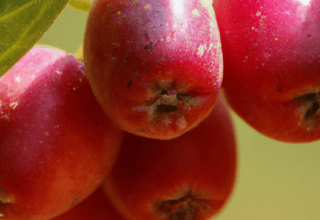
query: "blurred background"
276, 181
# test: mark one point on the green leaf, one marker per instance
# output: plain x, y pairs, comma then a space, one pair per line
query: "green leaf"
81, 5
22, 24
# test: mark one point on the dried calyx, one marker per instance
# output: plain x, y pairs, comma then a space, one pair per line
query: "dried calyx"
187, 207
168, 101
311, 109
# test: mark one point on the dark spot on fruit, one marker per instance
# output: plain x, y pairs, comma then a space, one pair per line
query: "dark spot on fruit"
279, 89
129, 83
126, 57
166, 108
147, 70
309, 35
97, 123
148, 47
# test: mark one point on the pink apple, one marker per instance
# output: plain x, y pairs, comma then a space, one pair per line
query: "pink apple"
189, 177
271, 55
154, 66
56, 143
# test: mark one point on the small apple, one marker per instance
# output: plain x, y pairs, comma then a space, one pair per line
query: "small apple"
271, 52
189, 177
56, 143
155, 67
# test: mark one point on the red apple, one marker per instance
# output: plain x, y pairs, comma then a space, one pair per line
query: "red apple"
154, 66
56, 144
95, 207
271, 53
190, 177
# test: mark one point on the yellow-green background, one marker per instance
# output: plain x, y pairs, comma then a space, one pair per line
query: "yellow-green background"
276, 181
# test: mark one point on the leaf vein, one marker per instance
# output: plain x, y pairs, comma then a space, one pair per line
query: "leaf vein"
12, 14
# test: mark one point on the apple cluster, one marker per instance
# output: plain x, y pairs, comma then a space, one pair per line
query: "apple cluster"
58, 146
140, 129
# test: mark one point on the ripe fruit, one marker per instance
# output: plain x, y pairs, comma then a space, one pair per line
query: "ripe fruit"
154, 66
95, 207
56, 144
190, 177
271, 55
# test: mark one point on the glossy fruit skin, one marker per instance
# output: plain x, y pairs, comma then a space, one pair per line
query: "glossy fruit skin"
271, 52
96, 207
56, 144
190, 177
154, 66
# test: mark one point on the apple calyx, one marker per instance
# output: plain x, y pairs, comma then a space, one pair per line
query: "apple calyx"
311, 110
188, 207
168, 104
168, 101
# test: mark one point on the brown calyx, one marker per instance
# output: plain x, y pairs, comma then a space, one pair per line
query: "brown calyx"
188, 207
167, 105
311, 109
168, 101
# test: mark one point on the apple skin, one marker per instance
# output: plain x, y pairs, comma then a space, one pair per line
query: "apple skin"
189, 177
155, 67
271, 53
96, 207
56, 143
